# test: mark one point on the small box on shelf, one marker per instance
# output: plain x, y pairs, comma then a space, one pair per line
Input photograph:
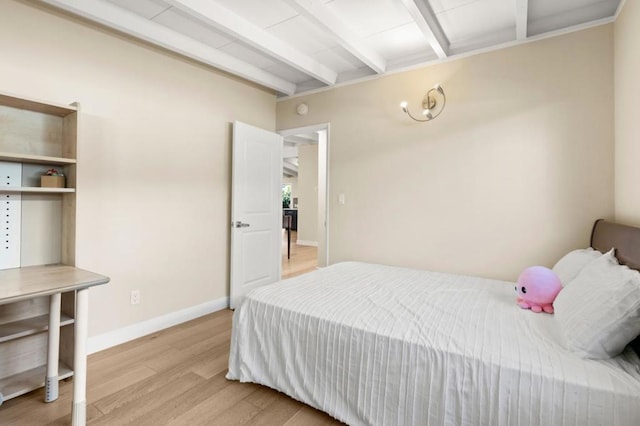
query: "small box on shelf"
52, 181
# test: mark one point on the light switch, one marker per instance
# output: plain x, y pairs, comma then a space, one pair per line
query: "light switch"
341, 199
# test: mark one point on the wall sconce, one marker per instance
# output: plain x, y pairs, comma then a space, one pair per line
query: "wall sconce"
433, 104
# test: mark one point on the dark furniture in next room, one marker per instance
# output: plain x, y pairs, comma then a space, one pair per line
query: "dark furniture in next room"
294, 218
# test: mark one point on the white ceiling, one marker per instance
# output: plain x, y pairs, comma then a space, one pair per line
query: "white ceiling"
293, 46
290, 151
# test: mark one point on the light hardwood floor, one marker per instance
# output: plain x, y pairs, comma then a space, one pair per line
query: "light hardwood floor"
303, 258
173, 377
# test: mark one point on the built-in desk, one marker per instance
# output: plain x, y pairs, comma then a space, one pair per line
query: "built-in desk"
17, 287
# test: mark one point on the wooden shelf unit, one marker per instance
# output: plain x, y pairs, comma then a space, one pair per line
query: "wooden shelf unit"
38, 135
37, 189
29, 380
29, 326
36, 159
30, 104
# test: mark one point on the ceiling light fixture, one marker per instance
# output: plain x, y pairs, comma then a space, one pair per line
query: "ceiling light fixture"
302, 109
433, 104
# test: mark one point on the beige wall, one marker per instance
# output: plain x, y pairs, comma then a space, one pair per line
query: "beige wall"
308, 194
627, 113
153, 158
513, 173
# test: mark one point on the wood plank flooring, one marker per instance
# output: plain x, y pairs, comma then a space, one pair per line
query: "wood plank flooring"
303, 258
173, 377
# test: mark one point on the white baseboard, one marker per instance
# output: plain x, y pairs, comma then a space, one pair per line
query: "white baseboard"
130, 332
307, 243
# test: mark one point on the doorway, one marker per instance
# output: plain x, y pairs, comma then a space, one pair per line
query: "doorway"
305, 199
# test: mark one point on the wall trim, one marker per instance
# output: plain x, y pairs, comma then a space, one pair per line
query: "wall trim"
307, 243
619, 9
143, 328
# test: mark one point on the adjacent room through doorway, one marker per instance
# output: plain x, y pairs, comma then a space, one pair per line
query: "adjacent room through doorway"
304, 205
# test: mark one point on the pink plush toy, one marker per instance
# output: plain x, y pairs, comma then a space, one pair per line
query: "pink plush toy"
537, 289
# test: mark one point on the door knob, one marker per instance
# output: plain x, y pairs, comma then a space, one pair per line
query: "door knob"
239, 224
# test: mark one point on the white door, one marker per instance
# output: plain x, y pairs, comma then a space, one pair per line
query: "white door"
256, 209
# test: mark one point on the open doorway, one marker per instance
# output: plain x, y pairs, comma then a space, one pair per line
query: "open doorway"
305, 208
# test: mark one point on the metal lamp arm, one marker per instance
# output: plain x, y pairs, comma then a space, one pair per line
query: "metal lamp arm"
429, 117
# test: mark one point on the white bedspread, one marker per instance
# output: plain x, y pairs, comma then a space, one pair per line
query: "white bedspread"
379, 345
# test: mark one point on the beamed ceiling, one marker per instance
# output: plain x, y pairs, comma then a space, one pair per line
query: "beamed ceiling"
296, 46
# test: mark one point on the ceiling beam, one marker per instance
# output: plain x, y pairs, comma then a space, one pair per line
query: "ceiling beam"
323, 17
426, 20
290, 151
289, 168
522, 10
229, 22
289, 165
300, 140
129, 23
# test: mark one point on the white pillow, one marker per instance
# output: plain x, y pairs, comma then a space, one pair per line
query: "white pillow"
572, 263
599, 313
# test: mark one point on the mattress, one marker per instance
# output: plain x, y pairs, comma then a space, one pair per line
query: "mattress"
379, 345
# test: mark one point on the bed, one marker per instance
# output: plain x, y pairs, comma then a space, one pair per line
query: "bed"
379, 345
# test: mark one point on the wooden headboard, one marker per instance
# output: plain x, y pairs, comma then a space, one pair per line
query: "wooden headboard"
626, 240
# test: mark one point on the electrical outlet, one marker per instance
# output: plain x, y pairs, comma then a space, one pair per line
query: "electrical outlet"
135, 297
